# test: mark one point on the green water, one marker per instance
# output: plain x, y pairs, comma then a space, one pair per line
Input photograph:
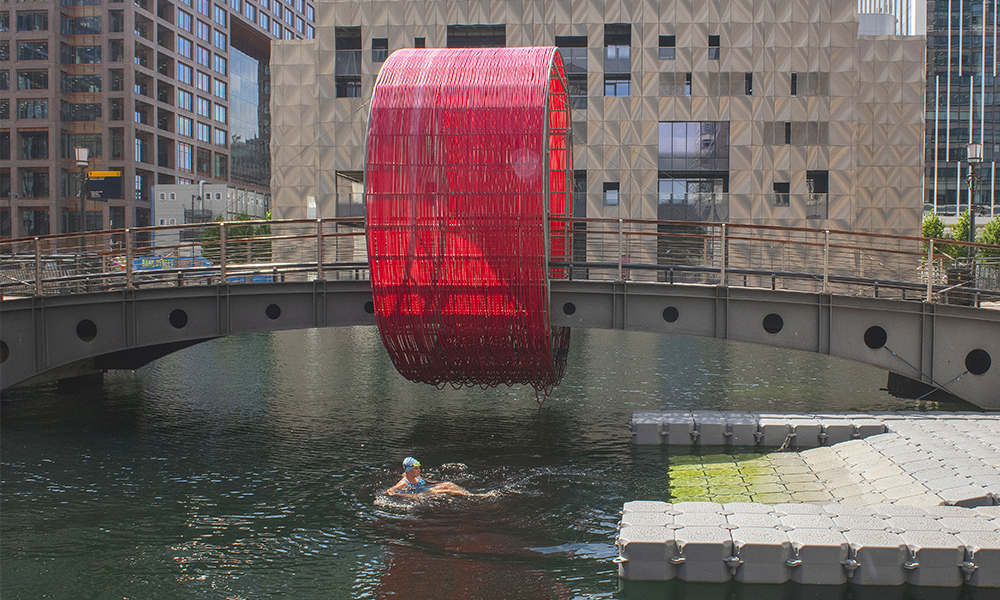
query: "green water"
251, 467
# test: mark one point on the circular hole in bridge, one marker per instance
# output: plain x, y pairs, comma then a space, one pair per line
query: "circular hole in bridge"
875, 337
773, 323
273, 311
370, 308
178, 318
569, 308
86, 330
978, 361
4, 351
670, 314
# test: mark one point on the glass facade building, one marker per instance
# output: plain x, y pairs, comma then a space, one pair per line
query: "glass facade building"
169, 92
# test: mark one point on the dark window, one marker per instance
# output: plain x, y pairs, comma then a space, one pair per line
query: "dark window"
418, 42
35, 184
32, 80
117, 80
477, 36
781, 189
668, 49
35, 222
380, 49
713, 47
788, 133
574, 52
348, 87
81, 112
577, 83
80, 84
33, 109
80, 25
81, 55
34, 144
617, 48
348, 62
33, 21
32, 51
748, 84
617, 85
818, 182
795, 84
611, 189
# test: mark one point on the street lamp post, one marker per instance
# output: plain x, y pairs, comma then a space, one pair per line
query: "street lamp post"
82, 161
974, 156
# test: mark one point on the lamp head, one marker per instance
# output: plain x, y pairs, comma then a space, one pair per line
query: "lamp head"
82, 156
974, 153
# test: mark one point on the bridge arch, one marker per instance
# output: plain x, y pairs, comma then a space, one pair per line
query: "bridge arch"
955, 347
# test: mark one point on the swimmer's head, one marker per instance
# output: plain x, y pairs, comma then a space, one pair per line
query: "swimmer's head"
409, 463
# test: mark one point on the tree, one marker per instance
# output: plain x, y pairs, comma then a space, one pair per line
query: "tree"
236, 251
990, 235
933, 227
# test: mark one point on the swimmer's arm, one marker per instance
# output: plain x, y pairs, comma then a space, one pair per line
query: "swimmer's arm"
395, 489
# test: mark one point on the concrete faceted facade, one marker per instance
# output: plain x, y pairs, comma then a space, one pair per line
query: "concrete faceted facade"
843, 150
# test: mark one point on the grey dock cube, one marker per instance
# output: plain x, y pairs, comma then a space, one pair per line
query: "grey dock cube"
879, 557
764, 554
645, 553
711, 427
936, 559
705, 551
819, 556
982, 550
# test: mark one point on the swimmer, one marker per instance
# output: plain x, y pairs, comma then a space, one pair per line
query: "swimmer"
412, 483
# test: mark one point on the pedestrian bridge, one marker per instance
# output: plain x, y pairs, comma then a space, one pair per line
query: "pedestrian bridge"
903, 304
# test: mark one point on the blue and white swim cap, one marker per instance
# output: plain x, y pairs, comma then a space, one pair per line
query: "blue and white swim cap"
409, 462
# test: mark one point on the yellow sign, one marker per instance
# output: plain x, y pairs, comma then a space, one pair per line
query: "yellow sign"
102, 174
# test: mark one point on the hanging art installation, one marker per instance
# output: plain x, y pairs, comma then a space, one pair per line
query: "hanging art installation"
468, 155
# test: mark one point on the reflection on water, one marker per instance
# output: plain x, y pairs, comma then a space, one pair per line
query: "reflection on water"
253, 466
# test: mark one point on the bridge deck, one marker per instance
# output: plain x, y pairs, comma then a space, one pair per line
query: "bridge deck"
879, 499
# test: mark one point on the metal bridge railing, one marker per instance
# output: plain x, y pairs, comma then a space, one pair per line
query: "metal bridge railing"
761, 256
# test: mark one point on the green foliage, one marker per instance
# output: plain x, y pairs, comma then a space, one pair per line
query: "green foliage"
933, 227
241, 247
990, 235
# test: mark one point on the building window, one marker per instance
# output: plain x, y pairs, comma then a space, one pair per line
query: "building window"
693, 146
116, 109
184, 99
311, 13
117, 21
220, 40
220, 113
220, 15
184, 21
617, 85
781, 195
380, 49
81, 55
203, 31
184, 157
203, 57
477, 36
221, 138
250, 12
668, 47
185, 73
204, 107
310, 32
32, 80
265, 21
617, 59
81, 112
203, 161
611, 193
33, 109
236, 5
32, 51
80, 25
276, 28
818, 184
35, 183
574, 53
795, 84
788, 133
220, 89
220, 65
203, 82
35, 222
221, 166
32, 21
348, 62
419, 42
675, 84
748, 84
204, 6
117, 50
713, 47
185, 47
184, 126
4, 80
300, 25
34, 144
204, 133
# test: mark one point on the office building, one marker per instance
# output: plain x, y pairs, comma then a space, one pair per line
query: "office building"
167, 92
776, 112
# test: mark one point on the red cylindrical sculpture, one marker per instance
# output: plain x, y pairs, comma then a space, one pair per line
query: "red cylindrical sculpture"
468, 153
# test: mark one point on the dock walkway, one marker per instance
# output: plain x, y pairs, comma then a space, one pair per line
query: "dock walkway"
869, 498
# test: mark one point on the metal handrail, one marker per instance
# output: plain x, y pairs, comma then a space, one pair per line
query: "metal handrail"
774, 256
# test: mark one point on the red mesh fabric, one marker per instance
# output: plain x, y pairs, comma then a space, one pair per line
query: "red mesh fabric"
468, 153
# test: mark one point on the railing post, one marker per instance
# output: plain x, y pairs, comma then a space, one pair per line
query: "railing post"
826, 259
930, 270
722, 266
620, 255
38, 265
222, 252
128, 259
319, 249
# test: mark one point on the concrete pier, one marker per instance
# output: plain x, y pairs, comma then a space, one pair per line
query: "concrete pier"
873, 499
